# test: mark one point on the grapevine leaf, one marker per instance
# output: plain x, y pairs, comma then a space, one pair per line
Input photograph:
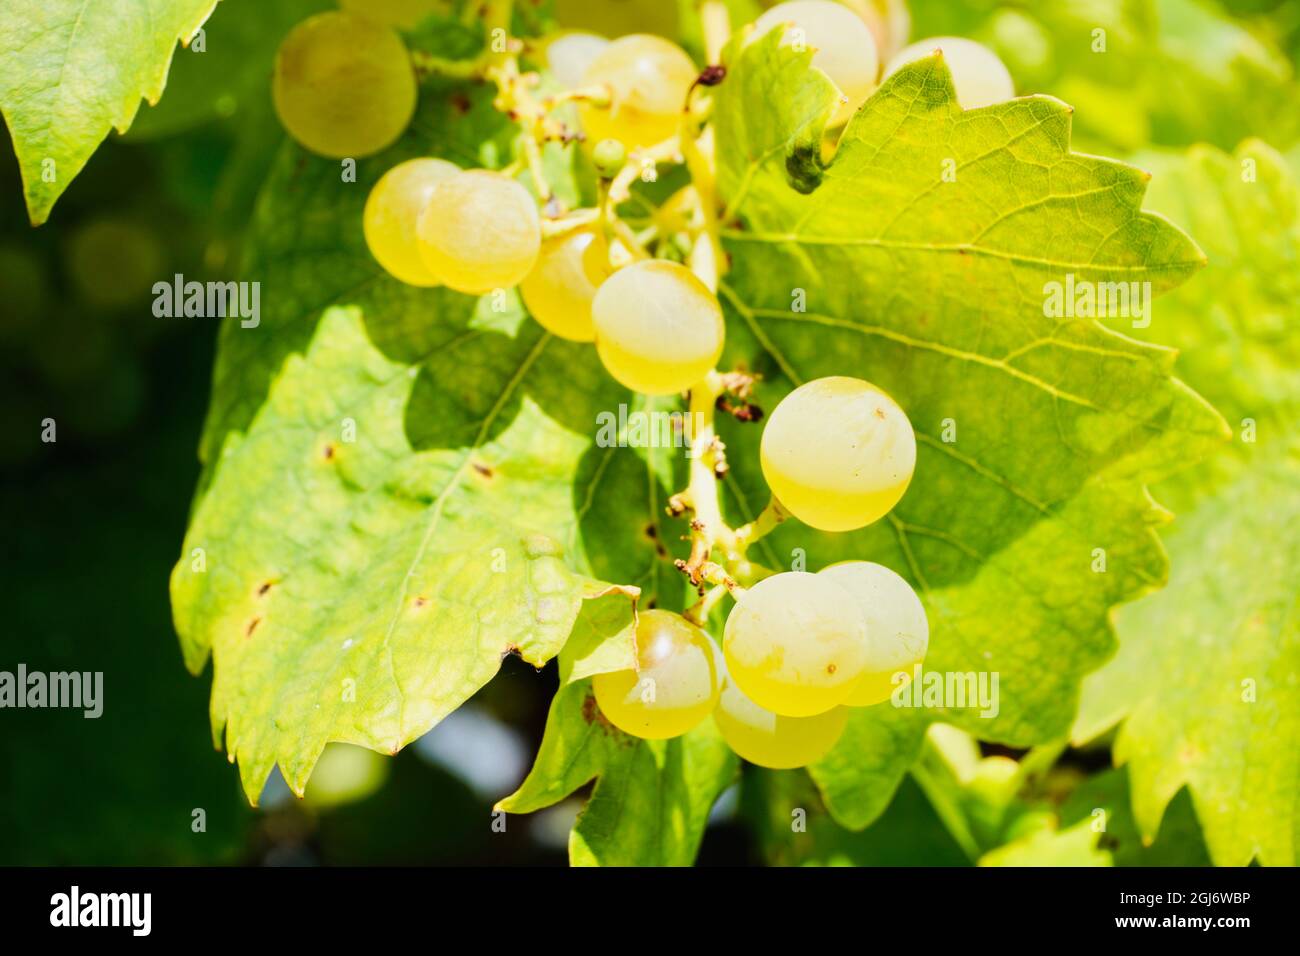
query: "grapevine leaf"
652, 797
1104, 798
1073, 846
1036, 435
71, 70
352, 588
1207, 671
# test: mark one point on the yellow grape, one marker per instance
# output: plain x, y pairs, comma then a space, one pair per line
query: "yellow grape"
480, 231
659, 330
648, 78
770, 740
844, 48
559, 290
569, 54
838, 453
795, 643
392, 210
979, 77
343, 85
675, 685
898, 633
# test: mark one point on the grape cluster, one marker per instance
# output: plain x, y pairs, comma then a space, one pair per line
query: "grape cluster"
838, 453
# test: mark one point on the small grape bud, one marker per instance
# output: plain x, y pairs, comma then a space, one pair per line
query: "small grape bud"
609, 155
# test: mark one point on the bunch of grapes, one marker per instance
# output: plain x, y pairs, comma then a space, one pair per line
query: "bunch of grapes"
838, 453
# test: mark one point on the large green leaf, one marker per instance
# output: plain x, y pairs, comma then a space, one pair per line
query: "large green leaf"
1208, 674
70, 70
353, 588
933, 289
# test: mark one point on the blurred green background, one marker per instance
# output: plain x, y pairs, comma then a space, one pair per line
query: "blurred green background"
94, 520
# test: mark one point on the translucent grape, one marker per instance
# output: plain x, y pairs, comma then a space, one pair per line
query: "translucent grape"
979, 77
845, 48
676, 683
659, 330
569, 55
838, 453
392, 211
898, 633
795, 643
648, 78
770, 740
480, 231
559, 290
343, 85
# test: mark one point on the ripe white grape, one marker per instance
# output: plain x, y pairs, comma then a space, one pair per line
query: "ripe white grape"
838, 453
796, 644
770, 740
343, 85
845, 49
569, 54
392, 211
898, 633
659, 330
674, 686
979, 77
480, 231
559, 290
648, 78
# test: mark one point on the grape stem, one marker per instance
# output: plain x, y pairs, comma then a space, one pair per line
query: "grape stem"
717, 28
767, 519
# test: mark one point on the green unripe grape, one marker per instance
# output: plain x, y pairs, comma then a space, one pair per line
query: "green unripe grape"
559, 290
979, 77
838, 453
608, 156
480, 231
770, 740
796, 644
648, 78
659, 330
343, 85
845, 49
898, 633
674, 686
393, 211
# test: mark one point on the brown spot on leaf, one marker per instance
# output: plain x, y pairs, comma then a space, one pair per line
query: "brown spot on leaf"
880, 413
482, 469
420, 601
252, 626
830, 668
460, 103
328, 452
265, 586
